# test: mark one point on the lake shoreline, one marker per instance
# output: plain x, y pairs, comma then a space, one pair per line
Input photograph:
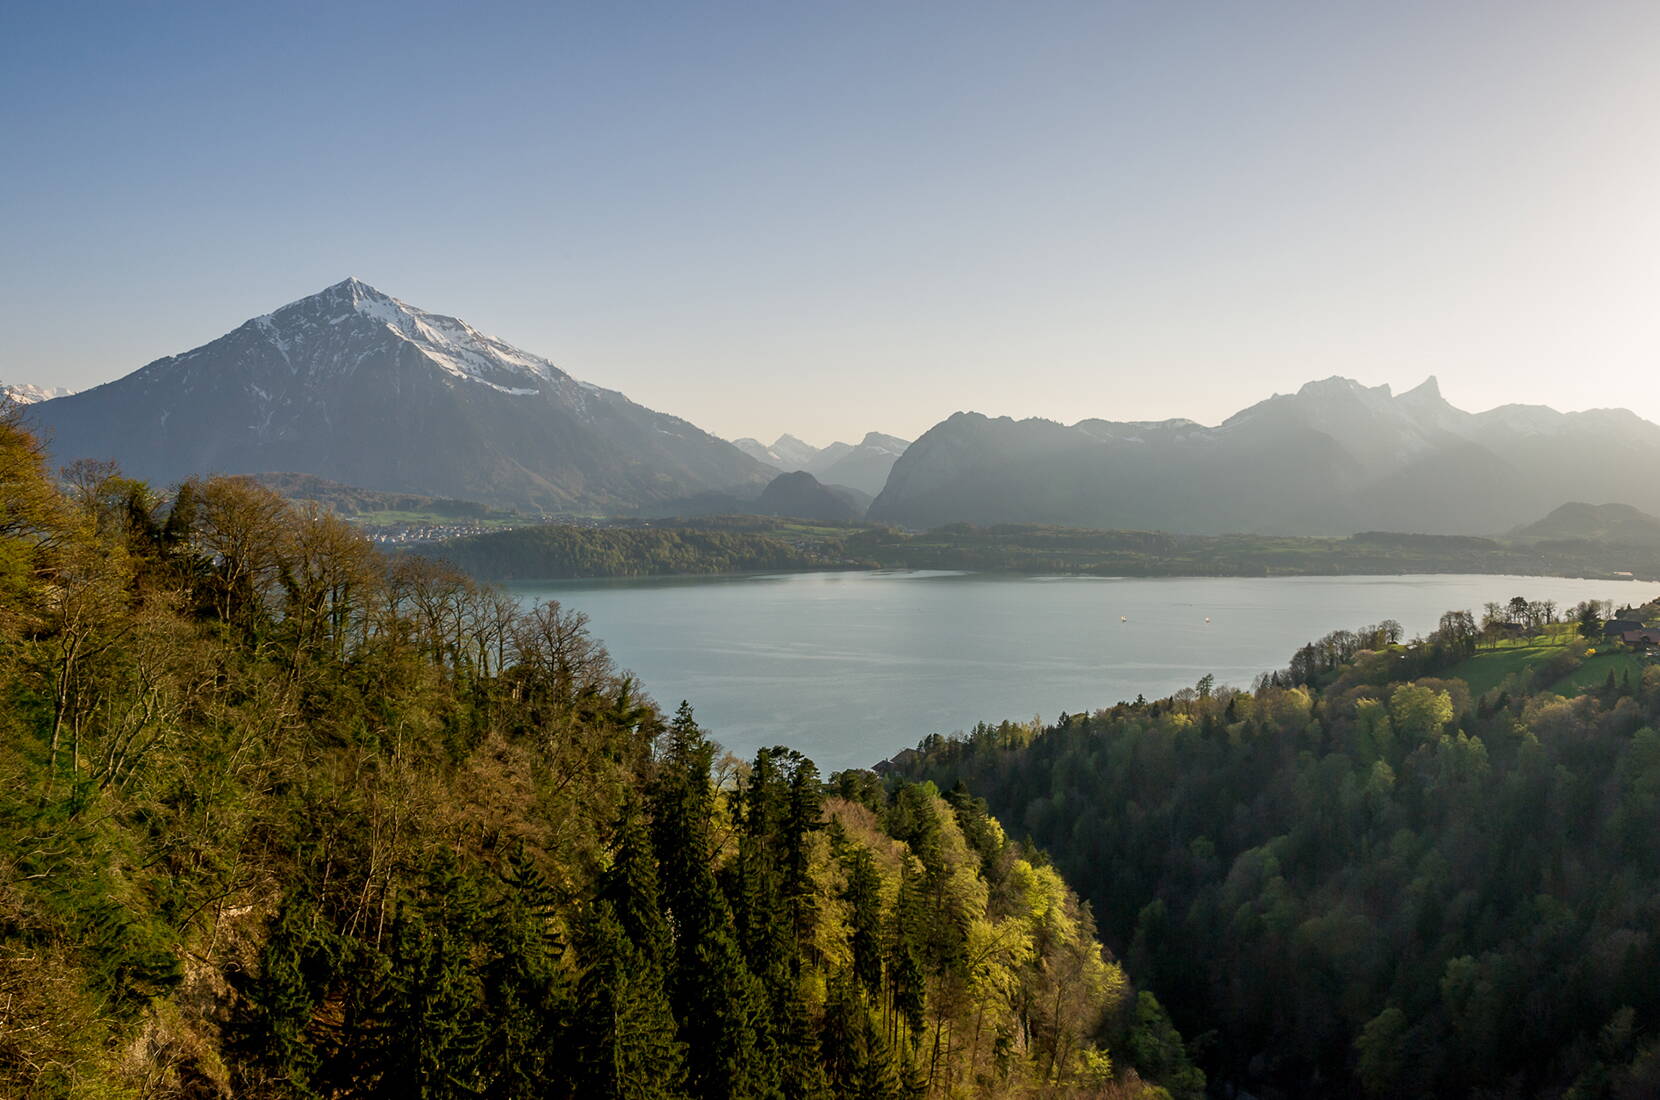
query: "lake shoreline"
740, 545
1078, 574
853, 666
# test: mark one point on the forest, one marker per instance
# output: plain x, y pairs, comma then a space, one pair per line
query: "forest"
1391, 869
730, 544
555, 551
281, 816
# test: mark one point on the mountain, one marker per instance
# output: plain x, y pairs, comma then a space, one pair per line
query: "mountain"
799, 494
358, 387
863, 466
1615, 523
759, 451
786, 453
25, 394
1333, 458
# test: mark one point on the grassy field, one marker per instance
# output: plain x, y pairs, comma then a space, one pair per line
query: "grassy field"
1491, 667
1594, 672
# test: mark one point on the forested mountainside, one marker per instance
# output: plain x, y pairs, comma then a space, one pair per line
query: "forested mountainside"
1424, 870
281, 817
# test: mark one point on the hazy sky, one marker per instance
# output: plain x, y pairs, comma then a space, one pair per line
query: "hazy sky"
831, 218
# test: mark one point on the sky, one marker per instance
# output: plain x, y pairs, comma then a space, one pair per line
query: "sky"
827, 219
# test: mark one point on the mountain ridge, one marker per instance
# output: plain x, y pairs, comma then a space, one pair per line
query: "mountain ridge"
1332, 458
863, 466
359, 387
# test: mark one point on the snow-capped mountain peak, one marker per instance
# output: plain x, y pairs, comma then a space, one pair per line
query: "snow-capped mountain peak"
23, 393
452, 344
359, 387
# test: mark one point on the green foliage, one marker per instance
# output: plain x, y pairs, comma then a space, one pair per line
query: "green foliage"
553, 551
284, 818
1159, 1053
736, 544
1362, 876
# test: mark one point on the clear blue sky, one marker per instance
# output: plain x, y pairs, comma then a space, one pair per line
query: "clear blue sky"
830, 218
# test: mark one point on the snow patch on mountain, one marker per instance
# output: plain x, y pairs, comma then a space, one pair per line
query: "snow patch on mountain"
26, 394
453, 345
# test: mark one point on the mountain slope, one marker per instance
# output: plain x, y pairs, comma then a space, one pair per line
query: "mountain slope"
1333, 458
1616, 523
799, 494
786, 452
358, 387
864, 466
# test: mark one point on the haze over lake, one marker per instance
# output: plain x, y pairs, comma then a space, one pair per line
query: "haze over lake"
852, 667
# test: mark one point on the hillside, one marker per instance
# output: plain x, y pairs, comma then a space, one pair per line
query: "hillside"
281, 817
1420, 870
357, 387
1333, 458
555, 551
800, 495
1620, 524
368, 505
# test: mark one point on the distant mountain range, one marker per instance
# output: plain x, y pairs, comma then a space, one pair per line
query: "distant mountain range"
25, 394
1333, 458
863, 465
361, 389
357, 387
797, 494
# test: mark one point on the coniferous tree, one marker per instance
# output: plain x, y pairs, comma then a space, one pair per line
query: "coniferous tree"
282, 1000
523, 989
716, 999
624, 1034
630, 885
864, 897
429, 1025
858, 1063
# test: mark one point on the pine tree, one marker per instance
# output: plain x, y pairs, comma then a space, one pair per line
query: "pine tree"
630, 886
716, 999
625, 1036
864, 898
522, 987
294, 966
804, 817
430, 1022
756, 882
858, 1062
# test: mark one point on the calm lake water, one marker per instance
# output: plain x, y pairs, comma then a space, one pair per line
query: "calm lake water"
850, 668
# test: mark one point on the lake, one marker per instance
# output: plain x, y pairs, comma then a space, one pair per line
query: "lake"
849, 668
